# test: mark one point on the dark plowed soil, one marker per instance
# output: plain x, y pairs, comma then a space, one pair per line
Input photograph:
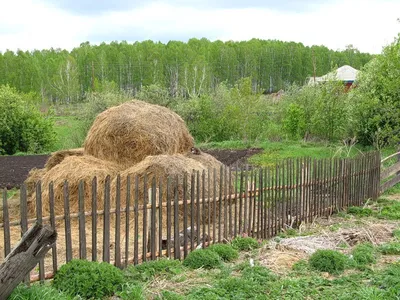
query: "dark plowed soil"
14, 169
233, 157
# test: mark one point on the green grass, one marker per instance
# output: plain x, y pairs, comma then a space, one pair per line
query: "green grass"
274, 152
68, 132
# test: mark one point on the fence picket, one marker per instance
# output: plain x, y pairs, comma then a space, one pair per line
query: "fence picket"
106, 221
94, 219
117, 246
82, 229
53, 225
6, 227
127, 219
68, 238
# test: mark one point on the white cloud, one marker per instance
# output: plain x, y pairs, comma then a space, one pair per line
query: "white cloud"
368, 25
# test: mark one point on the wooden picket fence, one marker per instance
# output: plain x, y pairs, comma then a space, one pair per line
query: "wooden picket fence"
168, 217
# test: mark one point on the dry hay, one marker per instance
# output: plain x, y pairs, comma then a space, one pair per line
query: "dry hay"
128, 133
73, 169
175, 166
34, 176
281, 261
57, 157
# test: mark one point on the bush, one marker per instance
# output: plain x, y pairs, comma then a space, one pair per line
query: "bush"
131, 291
147, 270
22, 126
225, 251
396, 234
359, 211
88, 279
392, 248
259, 274
389, 280
390, 211
328, 261
364, 254
168, 295
230, 288
200, 258
37, 292
245, 243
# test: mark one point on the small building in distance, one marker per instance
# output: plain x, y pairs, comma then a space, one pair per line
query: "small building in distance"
345, 74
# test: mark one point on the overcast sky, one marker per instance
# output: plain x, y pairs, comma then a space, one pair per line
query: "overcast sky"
38, 24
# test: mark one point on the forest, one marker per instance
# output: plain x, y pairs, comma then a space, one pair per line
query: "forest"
183, 69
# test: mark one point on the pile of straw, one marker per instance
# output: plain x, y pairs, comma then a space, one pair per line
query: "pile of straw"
57, 157
73, 169
128, 133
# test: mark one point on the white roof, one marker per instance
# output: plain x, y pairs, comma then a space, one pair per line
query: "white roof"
344, 73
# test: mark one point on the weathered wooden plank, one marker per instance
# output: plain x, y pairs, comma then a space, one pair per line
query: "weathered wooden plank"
160, 217
154, 220
81, 218
144, 233
203, 211
23, 258
94, 218
185, 213
390, 183
127, 219
106, 221
67, 222
177, 254
6, 222
136, 224
169, 224
24, 218
214, 236
390, 171
117, 246
53, 225
192, 209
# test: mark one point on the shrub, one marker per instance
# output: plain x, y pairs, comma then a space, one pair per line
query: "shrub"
22, 126
37, 292
225, 251
259, 274
131, 291
244, 243
389, 280
168, 295
328, 261
88, 279
392, 248
202, 259
396, 234
230, 288
147, 270
364, 254
391, 210
359, 211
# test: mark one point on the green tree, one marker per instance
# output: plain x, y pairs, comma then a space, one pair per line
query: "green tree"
377, 99
22, 127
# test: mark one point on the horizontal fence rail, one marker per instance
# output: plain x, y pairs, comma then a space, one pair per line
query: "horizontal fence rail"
135, 219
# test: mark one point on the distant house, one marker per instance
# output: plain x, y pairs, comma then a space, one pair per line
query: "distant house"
346, 74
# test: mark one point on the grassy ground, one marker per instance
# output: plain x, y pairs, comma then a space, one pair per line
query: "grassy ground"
68, 133
276, 151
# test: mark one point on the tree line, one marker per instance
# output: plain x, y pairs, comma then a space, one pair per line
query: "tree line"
183, 69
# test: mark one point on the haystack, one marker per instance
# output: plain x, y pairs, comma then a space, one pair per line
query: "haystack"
57, 157
161, 167
128, 133
34, 176
73, 169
